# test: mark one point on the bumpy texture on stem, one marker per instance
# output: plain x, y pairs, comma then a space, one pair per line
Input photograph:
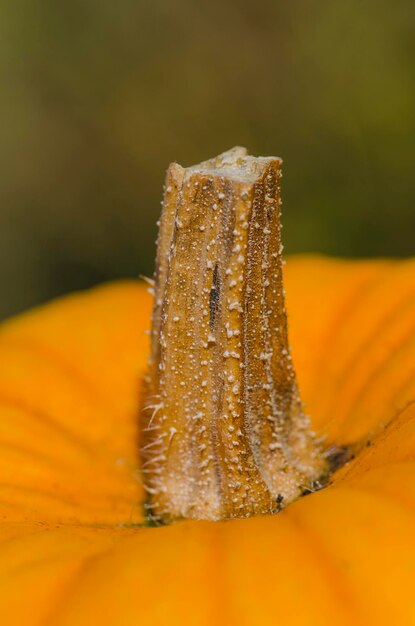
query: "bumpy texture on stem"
224, 431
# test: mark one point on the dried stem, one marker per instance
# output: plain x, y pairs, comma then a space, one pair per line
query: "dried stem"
224, 431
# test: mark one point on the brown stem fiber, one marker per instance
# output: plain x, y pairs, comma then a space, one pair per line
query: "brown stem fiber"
223, 430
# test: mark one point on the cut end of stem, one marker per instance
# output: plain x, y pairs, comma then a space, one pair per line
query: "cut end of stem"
224, 433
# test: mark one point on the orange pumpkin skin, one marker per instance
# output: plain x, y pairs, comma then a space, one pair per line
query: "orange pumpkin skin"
73, 548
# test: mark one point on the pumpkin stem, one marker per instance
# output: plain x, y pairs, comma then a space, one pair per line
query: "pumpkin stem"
224, 434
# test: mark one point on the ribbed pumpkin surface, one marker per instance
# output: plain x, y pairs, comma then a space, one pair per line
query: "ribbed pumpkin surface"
72, 549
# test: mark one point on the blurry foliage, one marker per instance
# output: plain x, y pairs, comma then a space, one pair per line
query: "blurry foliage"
98, 97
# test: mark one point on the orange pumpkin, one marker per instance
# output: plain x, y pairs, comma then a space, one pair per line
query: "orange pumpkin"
74, 550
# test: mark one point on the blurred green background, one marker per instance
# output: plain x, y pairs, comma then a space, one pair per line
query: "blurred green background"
97, 98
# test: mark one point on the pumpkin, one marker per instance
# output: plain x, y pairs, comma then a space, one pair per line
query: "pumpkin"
75, 546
